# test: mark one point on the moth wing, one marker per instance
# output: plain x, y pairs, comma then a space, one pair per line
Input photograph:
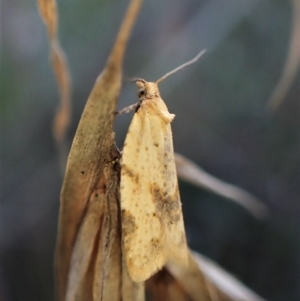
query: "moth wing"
153, 230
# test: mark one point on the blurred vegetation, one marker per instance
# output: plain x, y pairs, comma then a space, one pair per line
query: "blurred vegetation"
221, 123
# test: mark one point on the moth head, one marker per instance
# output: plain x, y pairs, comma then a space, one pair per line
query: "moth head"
146, 89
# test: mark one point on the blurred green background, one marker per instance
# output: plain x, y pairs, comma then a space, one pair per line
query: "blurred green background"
221, 123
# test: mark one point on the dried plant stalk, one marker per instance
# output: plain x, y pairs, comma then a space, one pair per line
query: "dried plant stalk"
108, 264
164, 287
49, 14
202, 280
221, 282
292, 63
85, 248
194, 282
194, 174
92, 150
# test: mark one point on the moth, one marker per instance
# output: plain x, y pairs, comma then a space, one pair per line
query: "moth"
152, 223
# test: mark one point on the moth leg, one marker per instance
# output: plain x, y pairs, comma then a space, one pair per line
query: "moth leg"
127, 109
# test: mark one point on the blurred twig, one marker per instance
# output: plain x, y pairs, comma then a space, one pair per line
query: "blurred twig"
49, 14
223, 281
189, 171
292, 62
201, 280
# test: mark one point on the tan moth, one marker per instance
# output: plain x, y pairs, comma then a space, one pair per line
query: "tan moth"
152, 222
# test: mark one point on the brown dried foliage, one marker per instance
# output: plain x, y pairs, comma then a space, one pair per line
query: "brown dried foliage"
48, 12
88, 259
292, 63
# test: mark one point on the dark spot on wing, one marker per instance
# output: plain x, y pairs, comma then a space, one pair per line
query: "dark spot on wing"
129, 172
155, 244
167, 206
128, 224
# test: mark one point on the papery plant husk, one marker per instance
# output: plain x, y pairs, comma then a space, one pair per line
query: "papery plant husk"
88, 241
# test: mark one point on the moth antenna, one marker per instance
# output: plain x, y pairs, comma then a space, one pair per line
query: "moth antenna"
195, 59
128, 79
137, 79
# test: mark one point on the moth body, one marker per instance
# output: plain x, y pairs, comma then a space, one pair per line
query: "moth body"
152, 222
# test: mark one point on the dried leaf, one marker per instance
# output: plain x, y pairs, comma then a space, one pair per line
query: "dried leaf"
223, 281
190, 172
203, 280
95, 270
292, 62
48, 12
193, 281
131, 290
108, 264
164, 287
86, 245
93, 148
